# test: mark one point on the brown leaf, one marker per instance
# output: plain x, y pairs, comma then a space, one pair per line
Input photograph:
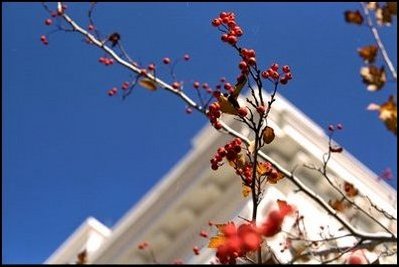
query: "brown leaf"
268, 135
384, 14
226, 106
273, 179
82, 257
388, 113
350, 190
246, 190
354, 17
148, 84
373, 77
338, 205
368, 53
264, 168
216, 241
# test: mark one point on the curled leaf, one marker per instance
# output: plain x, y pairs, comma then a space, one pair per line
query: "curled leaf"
338, 205
268, 135
373, 77
368, 53
388, 113
384, 14
148, 84
226, 106
354, 17
246, 190
264, 168
350, 190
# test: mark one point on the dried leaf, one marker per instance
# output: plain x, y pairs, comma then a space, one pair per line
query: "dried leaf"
350, 190
82, 257
251, 146
216, 241
354, 17
268, 135
384, 14
239, 85
227, 106
148, 84
373, 77
246, 190
284, 207
338, 205
273, 179
388, 113
264, 168
368, 53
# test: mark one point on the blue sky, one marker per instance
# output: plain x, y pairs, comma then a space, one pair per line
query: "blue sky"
70, 151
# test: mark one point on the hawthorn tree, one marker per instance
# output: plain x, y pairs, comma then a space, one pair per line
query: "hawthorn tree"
247, 241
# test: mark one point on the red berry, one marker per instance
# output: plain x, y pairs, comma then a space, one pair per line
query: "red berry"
90, 27
186, 57
166, 60
223, 15
225, 37
331, 127
288, 75
196, 85
243, 65
261, 109
48, 22
216, 22
251, 61
214, 166
275, 75
176, 85
203, 234
274, 67
43, 38
125, 85
232, 39
189, 110
339, 126
265, 74
284, 80
205, 85
355, 260
286, 69
242, 111
218, 125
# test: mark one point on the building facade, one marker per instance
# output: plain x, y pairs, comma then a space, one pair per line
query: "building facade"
171, 215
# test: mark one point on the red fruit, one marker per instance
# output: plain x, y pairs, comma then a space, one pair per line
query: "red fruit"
43, 38
355, 260
90, 27
288, 75
243, 65
275, 75
238, 32
223, 15
176, 85
166, 60
261, 109
186, 57
143, 72
204, 234
227, 86
274, 67
331, 127
286, 69
225, 37
251, 241
189, 110
151, 67
339, 126
214, 167
196, 250
231, 39
218, 125
125, 85
205, 85
48, 22
242, 111
196, 85
251, 61
283, 80
216, 22
265, 74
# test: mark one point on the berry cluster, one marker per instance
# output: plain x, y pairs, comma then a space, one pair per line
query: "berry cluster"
237, 242
227, 19
214, 114
272, 73
331, 127
143, 245
106, 61
230, 151
248, 56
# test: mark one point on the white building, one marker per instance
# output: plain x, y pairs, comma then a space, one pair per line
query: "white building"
171, 215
